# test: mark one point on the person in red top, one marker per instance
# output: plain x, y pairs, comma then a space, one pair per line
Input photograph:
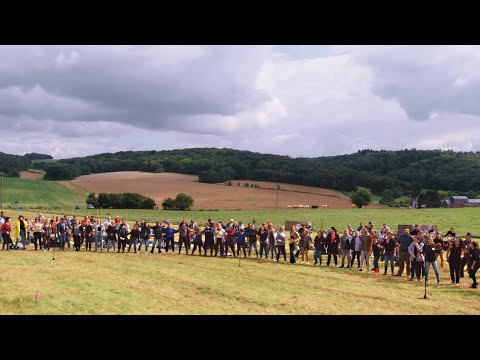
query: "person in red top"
6, 229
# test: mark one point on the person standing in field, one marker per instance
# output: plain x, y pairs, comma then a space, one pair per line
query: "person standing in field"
307, 241
37, 233
67, 231
345, 245
280, 238
366, 243
439, 248
169, 237
356, 249
229, 235
122, 234
377, 251
208, 232
144, 236
197, 241
134, 239
240, 236
219, 234
381, 238
62, 233
6, 230
77, 233
252, 239
292, 242
332, 241
455, 255
98, 231
416, 257
21, 232
2, 221
429, 251
404, 242
183, 238
473, 263
47, 231
271, 240
301, 232
262, 237
390, 250
466, 244
111, 237
319, 244
157, 237
89, 235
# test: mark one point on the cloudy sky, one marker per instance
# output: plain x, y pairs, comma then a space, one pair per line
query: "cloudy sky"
296, 100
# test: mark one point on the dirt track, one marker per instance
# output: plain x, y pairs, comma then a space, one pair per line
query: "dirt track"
211, 196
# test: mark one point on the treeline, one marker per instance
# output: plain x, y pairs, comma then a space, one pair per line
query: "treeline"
404, 172
11, 165
37, 156
120, 201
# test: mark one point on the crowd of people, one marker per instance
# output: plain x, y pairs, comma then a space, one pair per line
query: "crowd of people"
414, 251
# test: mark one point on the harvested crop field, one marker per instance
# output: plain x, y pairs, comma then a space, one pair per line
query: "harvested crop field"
212, 196
31, 175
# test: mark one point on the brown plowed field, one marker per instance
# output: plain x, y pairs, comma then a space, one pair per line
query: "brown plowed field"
31, 175
212, 196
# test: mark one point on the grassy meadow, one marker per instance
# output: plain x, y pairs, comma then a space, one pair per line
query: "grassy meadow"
31, 193
111, 283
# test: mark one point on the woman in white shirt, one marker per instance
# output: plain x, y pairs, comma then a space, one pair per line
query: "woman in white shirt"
37, 233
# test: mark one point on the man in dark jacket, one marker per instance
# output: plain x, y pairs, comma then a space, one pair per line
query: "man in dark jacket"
61, 233
157, 236
404, 242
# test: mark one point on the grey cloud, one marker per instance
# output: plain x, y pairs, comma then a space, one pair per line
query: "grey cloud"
424, 79
153, 87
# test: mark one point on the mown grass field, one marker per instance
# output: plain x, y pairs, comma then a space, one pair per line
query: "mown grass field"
32, 193
99, 283
111, 283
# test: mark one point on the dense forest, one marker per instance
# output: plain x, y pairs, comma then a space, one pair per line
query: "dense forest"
11, 165
404, 172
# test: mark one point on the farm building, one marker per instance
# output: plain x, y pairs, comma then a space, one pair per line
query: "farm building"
459, 202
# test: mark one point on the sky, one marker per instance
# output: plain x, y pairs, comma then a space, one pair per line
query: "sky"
297, 100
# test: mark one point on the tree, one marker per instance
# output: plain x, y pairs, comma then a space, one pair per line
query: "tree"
168, 204
387, 197
62, 172
183, 202
430, 199
362, 196
92, 200
159, 169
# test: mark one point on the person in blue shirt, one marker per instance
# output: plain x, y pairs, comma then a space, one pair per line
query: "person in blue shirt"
169, 237
240, 236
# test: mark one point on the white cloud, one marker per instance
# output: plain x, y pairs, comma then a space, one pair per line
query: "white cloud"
300, 101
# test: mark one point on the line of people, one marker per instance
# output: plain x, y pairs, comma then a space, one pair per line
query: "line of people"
416, 250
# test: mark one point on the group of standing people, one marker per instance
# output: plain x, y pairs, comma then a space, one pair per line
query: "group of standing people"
414, 250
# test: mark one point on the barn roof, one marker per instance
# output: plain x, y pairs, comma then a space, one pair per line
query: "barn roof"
459, 197
474, 201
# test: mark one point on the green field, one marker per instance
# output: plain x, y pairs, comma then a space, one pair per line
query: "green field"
111, 283
100, 283
465, 220
39, 193
55, 198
